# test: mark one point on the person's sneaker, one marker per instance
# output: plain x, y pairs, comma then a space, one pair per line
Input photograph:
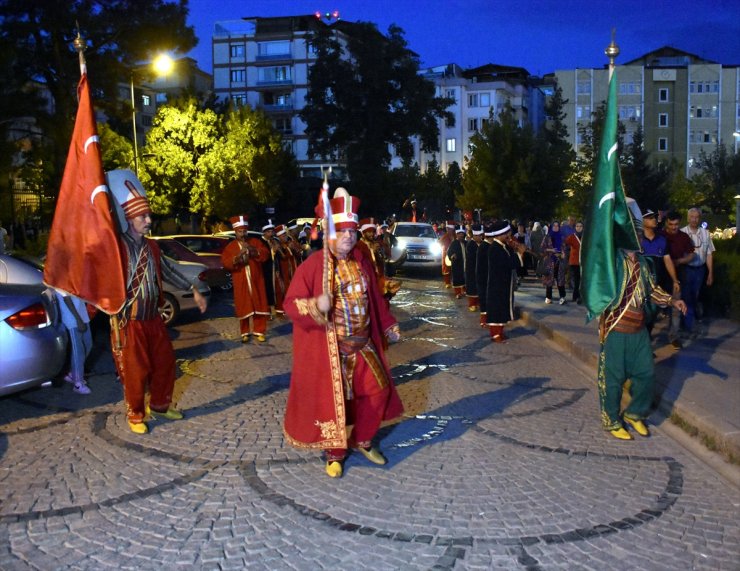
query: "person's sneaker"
548, 300
676, 344
81, 388
562, 301
68, 377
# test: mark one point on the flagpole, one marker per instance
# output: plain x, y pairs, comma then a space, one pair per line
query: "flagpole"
612, 51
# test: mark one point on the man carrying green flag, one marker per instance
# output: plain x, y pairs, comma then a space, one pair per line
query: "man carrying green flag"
618, 286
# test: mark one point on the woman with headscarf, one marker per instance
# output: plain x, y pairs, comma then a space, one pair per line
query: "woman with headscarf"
554, 272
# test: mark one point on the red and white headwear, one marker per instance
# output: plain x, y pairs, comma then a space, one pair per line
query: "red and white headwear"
239, 222
280, 229
268, 226
128, 192
367, 224
344, 209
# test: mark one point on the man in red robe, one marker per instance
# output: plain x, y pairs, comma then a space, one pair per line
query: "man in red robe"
244, 257
445, 240
340, 375
285, 266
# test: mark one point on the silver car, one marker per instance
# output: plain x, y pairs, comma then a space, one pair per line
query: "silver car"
416, 246
177, 300
33, 340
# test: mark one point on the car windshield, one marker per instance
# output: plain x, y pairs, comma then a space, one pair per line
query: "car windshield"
408, 231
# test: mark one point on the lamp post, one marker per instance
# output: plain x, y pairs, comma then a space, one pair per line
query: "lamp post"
162, 65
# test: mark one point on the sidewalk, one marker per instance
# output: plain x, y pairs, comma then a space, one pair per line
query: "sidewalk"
698, 386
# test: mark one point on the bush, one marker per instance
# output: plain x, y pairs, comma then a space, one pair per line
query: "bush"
723, 298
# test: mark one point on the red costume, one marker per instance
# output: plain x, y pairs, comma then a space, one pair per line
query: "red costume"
447, 239
319, 399
285, 266
250, 299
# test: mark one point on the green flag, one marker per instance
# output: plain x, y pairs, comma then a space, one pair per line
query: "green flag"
609, 225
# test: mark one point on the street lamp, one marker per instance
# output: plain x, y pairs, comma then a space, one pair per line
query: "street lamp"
162, 65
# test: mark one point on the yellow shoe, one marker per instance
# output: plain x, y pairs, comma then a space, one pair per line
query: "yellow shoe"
334, 469
259, 337
638, 425
138, 427
374, 455
170, 414
621, 433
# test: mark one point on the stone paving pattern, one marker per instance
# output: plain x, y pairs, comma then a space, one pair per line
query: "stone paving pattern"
498, 463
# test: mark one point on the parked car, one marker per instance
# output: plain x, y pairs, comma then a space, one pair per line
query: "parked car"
216, 276
202, 244
417, 245
178, 300
33, 340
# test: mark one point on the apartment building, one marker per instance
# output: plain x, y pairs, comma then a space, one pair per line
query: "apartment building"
684, 103
479, 94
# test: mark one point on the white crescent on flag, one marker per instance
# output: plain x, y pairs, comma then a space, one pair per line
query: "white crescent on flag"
607, 196
98, 190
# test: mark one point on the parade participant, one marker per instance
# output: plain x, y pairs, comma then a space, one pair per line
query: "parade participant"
504, 257
244, 257
340, 374
268, 265
370, 244
142, 349
625, 346
447, 238
285, 266
456, 254
481, 271
294, 243
471, 257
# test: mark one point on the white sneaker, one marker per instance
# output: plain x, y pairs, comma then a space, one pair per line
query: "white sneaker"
562, 301
81, 388
69, 378
548, 300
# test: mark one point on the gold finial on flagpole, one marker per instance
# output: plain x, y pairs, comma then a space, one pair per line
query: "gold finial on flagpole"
612, 50
80, 44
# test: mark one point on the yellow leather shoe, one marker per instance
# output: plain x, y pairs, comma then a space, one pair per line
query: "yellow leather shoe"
138, 427
334, 469
638, 425
374, 455
170, 414
259, 337
621, 433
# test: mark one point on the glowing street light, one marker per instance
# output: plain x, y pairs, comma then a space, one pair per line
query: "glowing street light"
162, 65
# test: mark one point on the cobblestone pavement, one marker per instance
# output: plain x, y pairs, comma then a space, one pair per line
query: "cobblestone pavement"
499, 463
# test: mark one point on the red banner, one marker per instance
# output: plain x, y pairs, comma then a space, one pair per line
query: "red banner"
83, 256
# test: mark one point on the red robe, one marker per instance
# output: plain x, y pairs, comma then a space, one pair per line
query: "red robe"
285, 266
445, 241
249, 284
315, 416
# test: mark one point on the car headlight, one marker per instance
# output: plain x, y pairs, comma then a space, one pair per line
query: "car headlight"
435, 249
401, 243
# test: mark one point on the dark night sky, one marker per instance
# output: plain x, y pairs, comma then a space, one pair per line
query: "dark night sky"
539, 35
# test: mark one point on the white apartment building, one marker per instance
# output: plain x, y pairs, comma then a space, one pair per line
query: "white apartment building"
479, 94
684, 103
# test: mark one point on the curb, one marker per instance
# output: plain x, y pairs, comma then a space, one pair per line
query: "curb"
697, 422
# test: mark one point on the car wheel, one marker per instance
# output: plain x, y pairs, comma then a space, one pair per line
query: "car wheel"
170, 310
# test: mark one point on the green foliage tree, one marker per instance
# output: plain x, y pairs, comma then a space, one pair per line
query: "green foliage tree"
37, 50
198, 161
719, 180
365, 96
433, 192
117, 151
643, 181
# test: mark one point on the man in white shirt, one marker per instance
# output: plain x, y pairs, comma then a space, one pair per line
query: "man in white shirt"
700, 270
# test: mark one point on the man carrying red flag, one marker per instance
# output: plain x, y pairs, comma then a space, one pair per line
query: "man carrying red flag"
342, 377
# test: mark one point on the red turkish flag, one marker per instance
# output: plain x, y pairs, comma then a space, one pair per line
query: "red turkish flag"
83, 256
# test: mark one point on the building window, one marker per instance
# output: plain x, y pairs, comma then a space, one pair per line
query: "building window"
236, 50
629, 112
275, 49
630, 88
146, 120
583, 87
146, 100
663, 94
472, 124
583, 112
451, 145
161, 97
238, 75
662, 119
239, 99
277, 74
450, 94
663, 144
283, 125
473, 100
485, 99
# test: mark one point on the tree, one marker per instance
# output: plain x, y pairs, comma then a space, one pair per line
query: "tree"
365, 96
199, 161
37, 47
643, 181
117, 151
719, 179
